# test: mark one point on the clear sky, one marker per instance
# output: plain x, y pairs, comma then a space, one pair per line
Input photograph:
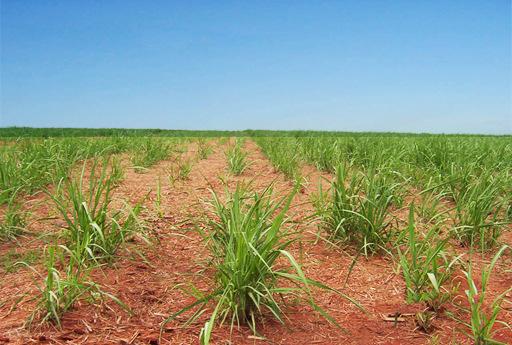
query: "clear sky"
418, 66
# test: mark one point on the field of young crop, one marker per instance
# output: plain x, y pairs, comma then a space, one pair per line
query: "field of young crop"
175, 237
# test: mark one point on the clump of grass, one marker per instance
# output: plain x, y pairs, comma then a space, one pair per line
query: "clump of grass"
91, 228
483, 318
150, 152
283, 154
426, 267
357, 210
324, 153
425, 320
430, 204
184, 169
246, 241
61, 289
203, 149
93, 235
59, 292
10, 179
179, 171
35, 162
237, 159
116, 171
337, 213
477, 213
14, 221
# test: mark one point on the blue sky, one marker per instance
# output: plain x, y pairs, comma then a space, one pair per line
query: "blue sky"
416, 66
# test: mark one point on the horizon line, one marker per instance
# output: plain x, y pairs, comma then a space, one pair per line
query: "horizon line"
2, 128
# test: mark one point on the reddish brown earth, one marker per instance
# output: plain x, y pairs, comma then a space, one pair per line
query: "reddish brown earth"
156, 286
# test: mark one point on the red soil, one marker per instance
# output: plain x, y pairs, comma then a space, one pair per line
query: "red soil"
156, 286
